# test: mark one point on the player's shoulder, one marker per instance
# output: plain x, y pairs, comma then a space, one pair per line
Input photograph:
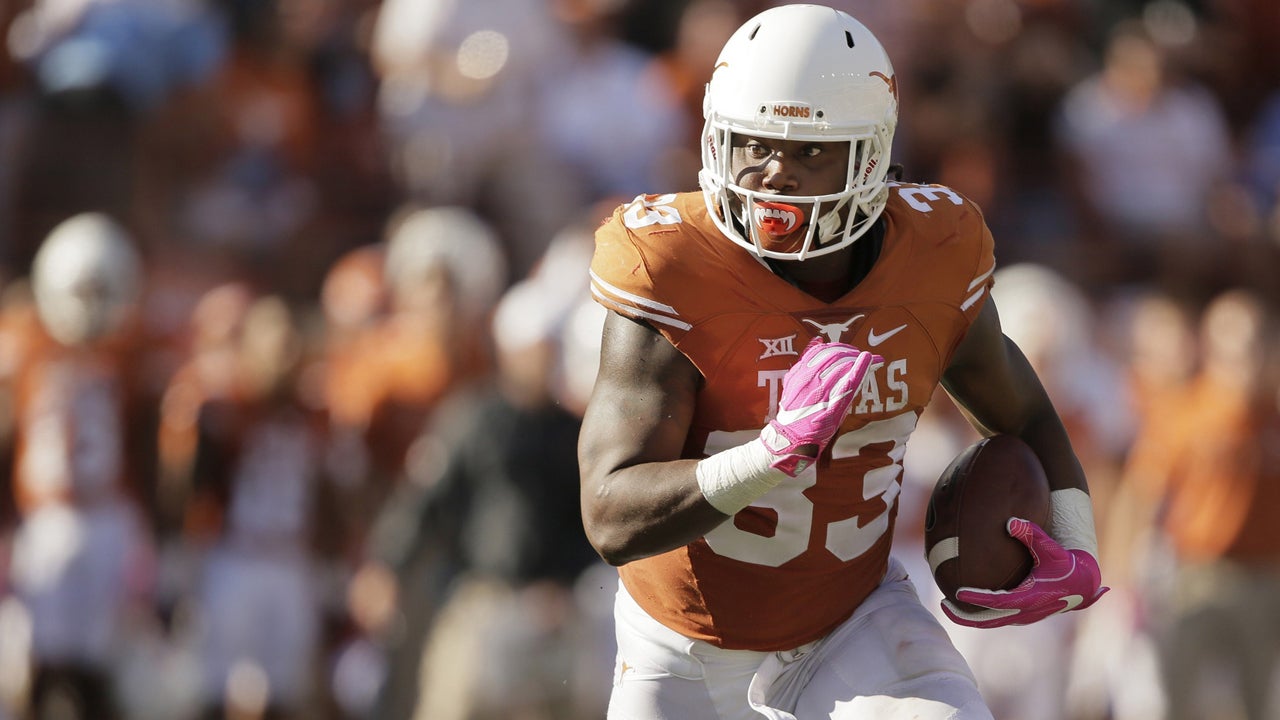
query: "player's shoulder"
654, 219
938, 219
941, 237
651, 257
932, 204
654, 233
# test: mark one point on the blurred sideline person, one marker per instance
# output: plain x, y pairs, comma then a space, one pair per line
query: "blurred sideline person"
258, 515
1142, 146
82, 560
492, 489
457, 81
755, 563
443, 271
1206, 480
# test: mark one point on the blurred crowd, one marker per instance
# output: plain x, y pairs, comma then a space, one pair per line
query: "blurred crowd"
295, 336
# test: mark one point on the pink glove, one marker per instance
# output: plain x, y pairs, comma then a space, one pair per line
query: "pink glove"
1061, 580
816, 394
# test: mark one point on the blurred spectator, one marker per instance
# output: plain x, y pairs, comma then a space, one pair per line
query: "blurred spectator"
509, 639
1144, 148
1055, 325
683, 69
1208, 477
82, 560
493, 492
98, 70
457, 84
442, 270
1115, 671
209, 373
354, 302
600, 108
1162, 353
260, 520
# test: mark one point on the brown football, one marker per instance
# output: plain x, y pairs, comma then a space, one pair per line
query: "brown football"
965, 533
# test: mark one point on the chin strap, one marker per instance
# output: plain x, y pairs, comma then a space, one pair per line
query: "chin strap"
830, 225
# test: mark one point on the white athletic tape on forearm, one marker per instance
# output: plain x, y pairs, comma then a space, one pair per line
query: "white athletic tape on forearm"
1071, 520
733, 479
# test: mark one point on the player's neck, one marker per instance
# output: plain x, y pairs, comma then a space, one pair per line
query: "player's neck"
830, 277
826, 284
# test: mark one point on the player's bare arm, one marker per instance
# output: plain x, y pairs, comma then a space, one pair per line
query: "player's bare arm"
638, 497
994, 383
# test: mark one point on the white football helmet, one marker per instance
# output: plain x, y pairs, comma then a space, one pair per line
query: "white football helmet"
85, 278
800, 72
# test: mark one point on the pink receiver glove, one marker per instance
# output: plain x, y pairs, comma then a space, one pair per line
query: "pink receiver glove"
816, 394
1061, 580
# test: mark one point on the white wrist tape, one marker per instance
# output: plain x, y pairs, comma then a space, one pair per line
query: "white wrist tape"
1071, 520
733, 479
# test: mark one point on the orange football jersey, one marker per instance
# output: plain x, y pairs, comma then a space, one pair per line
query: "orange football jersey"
74, 408
795, 564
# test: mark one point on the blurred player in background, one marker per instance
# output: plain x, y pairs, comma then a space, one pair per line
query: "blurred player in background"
755, 567
491, 496
82, 560
443, 271
497, 474
258, 515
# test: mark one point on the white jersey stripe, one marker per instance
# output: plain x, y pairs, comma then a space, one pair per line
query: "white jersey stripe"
633, 311
638, 300
968, 303
981, 278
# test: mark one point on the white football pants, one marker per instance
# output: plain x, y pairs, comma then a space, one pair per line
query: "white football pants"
890, 660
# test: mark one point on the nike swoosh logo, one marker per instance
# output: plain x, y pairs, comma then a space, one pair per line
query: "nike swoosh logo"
1072, 601
873, 339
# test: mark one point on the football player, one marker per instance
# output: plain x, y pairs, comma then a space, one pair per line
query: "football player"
259, 518
770, 345
81, 556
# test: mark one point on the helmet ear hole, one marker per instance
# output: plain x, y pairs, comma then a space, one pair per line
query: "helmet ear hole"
848, 38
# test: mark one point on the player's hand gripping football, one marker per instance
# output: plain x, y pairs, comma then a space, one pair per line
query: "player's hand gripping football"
1060, 580
816, 394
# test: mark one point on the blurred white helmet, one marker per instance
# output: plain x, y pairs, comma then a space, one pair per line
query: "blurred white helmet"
453, 239
800, 72
1045, 313
85, 277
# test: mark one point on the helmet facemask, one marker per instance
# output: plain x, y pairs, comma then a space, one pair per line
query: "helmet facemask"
769, 224
836, 86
